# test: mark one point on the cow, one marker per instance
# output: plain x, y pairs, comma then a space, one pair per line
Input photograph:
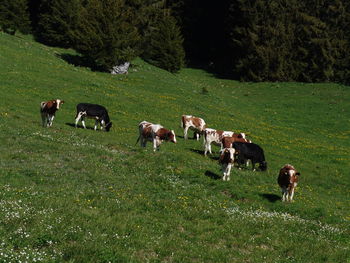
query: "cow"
48, 110
155, 133
250, 151
227, 156
193, 123
288, 179
93, 111
214, 136
236, 137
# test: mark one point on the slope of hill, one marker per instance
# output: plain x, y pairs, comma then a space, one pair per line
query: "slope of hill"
78, 195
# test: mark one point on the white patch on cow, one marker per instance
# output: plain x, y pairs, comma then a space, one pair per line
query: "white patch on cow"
58, 102
173, 133
156, 127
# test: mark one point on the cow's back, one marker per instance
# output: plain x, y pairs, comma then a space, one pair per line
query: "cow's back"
94, 110
250, 150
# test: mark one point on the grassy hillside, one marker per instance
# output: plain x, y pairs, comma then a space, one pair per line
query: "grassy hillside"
75, 195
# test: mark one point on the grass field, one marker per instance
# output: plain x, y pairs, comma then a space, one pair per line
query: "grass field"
75, 195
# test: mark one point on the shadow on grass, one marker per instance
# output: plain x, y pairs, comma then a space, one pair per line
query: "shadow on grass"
201, 152
212, 175
78, 126
80, 61
189, 138
271, 197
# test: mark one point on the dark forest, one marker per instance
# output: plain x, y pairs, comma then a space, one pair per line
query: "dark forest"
247, 40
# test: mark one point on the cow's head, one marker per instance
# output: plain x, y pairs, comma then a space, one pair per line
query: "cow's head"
58, 103
263, 166
171, 136
108, 126
227, 155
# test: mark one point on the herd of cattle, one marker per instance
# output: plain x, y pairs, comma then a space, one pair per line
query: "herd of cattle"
235, 147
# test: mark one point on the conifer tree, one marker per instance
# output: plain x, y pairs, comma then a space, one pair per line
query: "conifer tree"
14, 16
57, 21
106, 34
165, 47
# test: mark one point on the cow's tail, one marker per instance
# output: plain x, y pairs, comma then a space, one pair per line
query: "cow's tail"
138, 139
42, 105
204, 137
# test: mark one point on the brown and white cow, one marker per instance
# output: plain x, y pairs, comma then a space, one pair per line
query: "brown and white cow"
236, 137
155, 133
193, 123
48, 110
214, 136
288, 179
226, 160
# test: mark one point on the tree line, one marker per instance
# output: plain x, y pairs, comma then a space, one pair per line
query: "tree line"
249, 40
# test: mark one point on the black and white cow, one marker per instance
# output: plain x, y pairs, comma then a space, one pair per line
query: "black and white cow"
250, 151
93, 111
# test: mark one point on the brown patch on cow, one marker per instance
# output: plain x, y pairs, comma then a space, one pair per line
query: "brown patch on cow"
184, 119
285, 179
50, 106
225, 157
165, 134
219, 132
196, 122
227, 141
147, 131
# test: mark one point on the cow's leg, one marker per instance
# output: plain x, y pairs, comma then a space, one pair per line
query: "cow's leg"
154, 144
96, 123
102, 124
185, 132
228, 171
198, 135
43, 118
253, 166
209, 148
291, 194
83, 122
77, 118
284, 194
51, 117
143, 141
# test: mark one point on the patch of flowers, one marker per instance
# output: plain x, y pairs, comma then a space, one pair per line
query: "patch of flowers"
26, 254
265, 216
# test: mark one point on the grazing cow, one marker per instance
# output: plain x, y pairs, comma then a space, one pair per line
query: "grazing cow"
155, 133
214, 136
48, 110
288, 180
250, 151
236, 137
193, 123
93, 111
226, 160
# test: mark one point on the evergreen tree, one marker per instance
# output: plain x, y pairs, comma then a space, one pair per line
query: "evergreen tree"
165, 48
314, 55
14, 16
57, 21
337, 17
106, 33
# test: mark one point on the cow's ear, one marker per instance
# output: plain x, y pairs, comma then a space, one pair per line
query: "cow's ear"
297, 174
62, 101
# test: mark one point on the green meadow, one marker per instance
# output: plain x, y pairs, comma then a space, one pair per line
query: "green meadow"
74, 195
